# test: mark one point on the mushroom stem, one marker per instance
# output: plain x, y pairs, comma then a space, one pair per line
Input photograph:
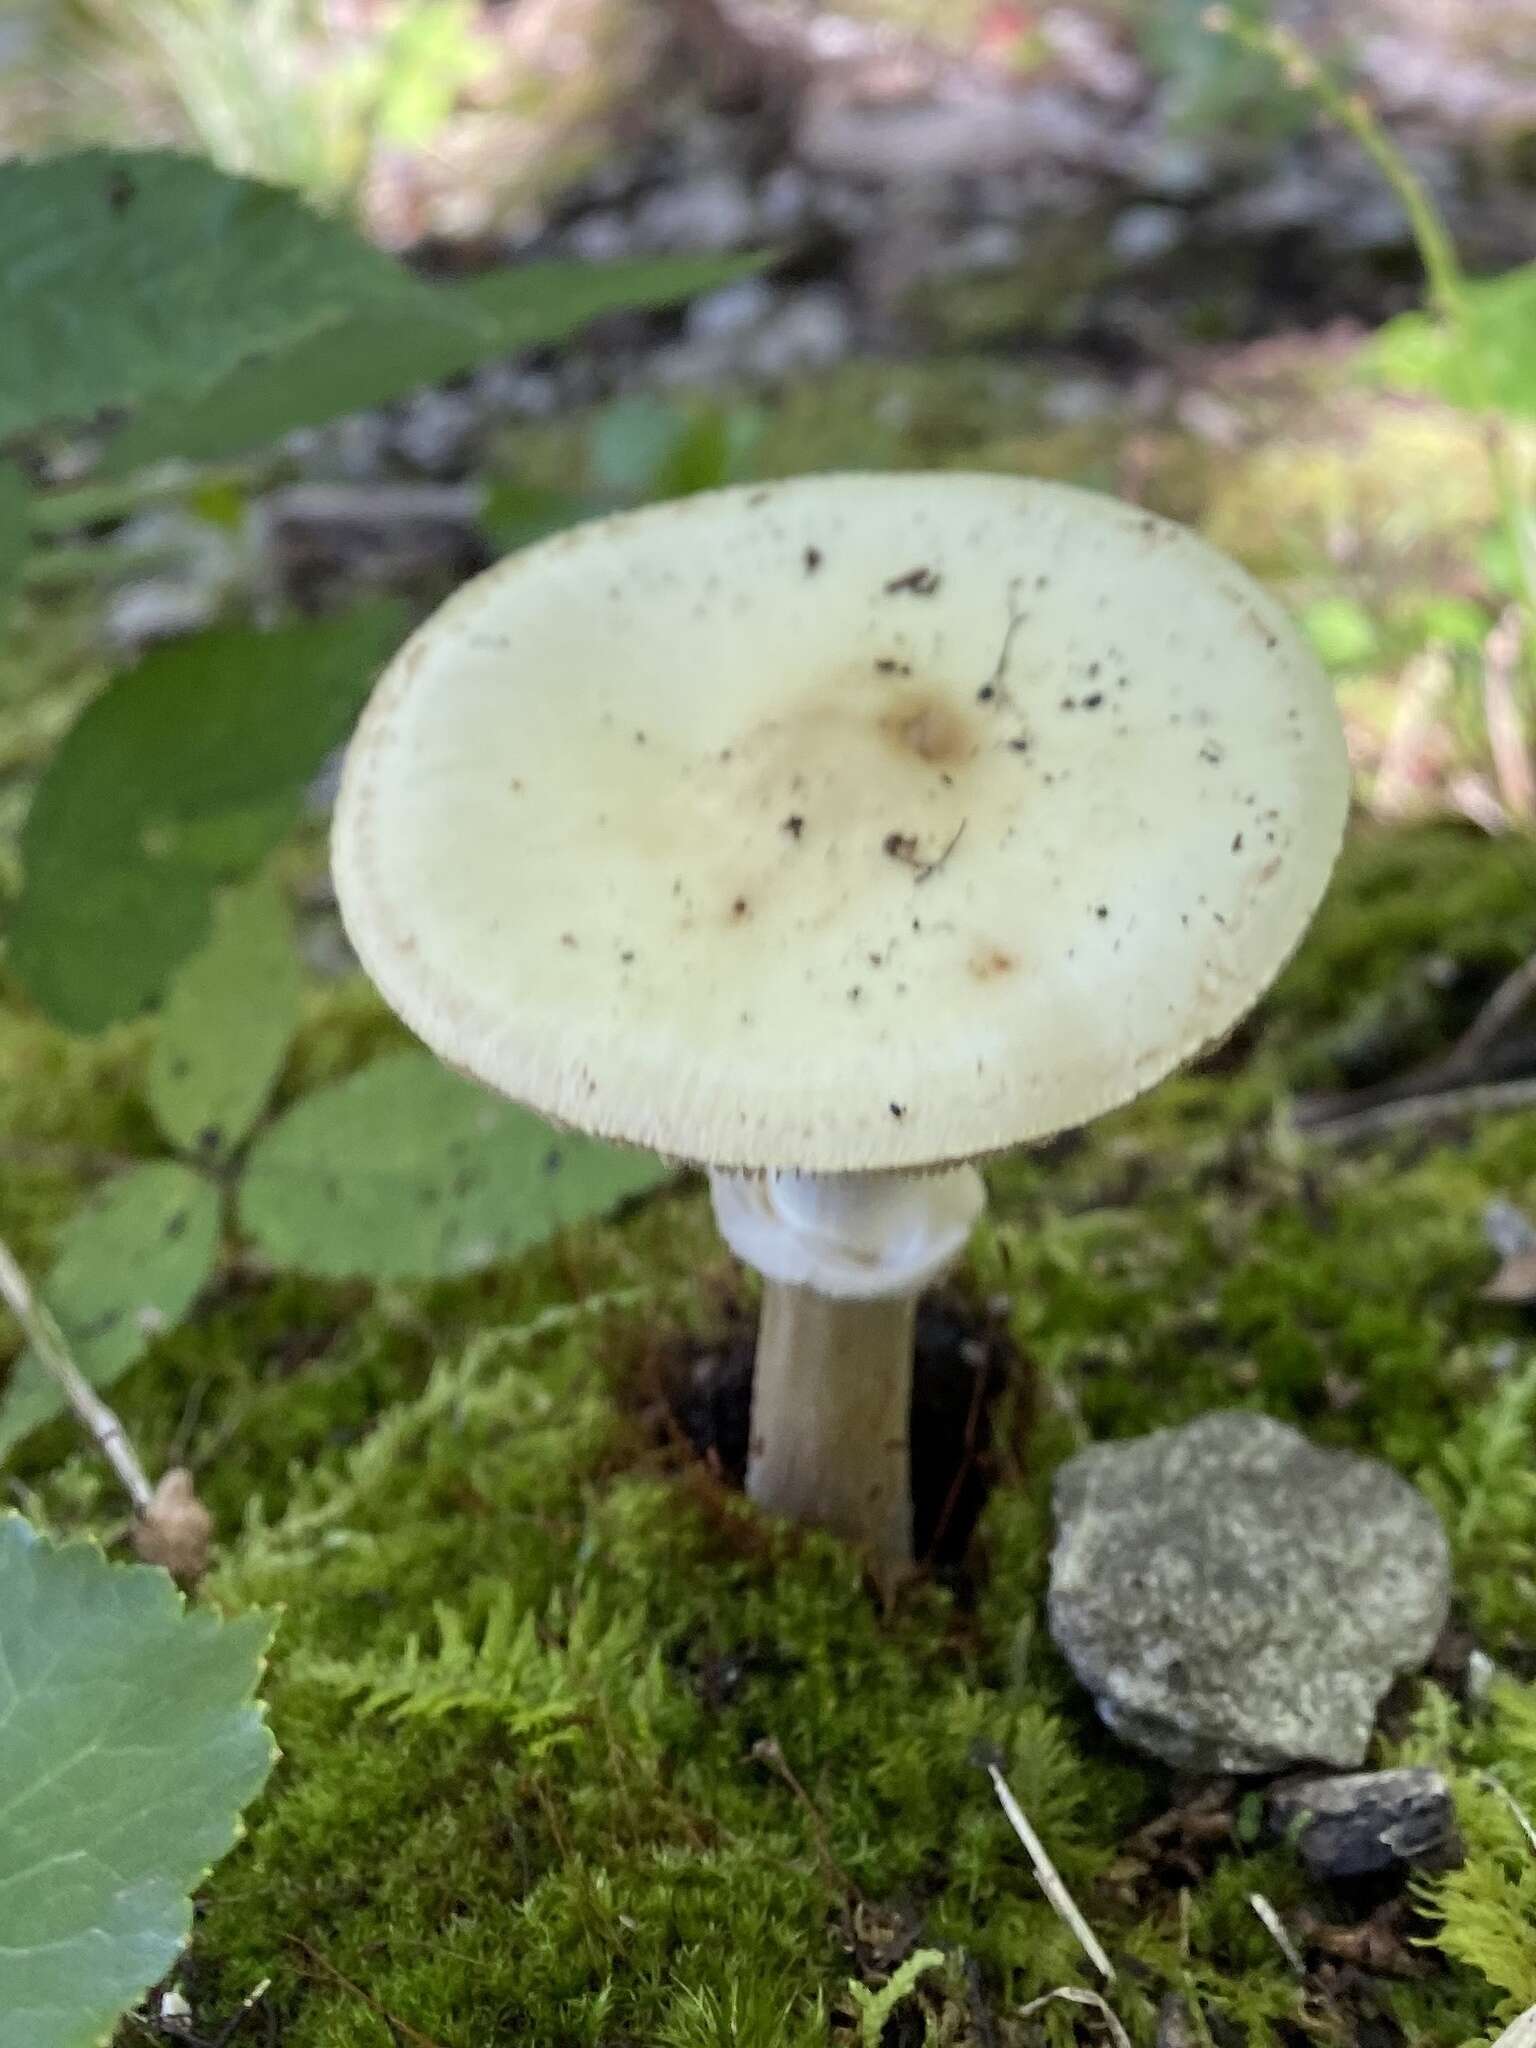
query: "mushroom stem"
831, 1416
845, 1257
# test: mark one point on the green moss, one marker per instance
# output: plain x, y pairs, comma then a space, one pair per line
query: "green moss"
529, 1656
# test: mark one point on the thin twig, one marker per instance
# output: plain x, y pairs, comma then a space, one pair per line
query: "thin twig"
48, 1342
1496, 1784
1439, 1076
1494, 1018
1270, 1920
1071, 1995
390, 2020
1407, 1112
767, 1751
242, 2013
1050, 1878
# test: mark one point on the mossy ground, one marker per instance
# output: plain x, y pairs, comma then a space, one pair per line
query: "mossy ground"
529, 1656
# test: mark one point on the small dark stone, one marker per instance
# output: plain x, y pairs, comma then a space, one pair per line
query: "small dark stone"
1368, 1821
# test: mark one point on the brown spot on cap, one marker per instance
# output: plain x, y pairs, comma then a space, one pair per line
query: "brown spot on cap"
991, 963
929, 728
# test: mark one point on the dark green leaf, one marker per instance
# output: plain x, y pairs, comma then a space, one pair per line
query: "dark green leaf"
516, 515
406, 1172
228, 1018
130, 275
132, 1262
188, 769
716, 449
364, 361
130, 1741
1491, 361
630, 443
15, 540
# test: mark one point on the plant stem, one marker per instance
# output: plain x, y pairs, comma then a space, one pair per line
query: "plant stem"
1437, 252
48, 1341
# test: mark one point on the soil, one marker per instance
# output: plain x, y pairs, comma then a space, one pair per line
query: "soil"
964, 1359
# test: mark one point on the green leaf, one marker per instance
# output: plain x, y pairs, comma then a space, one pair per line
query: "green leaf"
131, 1264
130, 1742
15, 537
188, 769
516, 515
1456, 621
1211, 84
228, 1018
717, 449
644, 447
362, 362
129, 275
630, 443
406, 1172
1490, 361
1343, 632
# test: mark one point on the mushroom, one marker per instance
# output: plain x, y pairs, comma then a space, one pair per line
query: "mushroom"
834, 835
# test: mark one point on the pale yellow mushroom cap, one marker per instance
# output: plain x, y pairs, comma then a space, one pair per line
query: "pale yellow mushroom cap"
847, 823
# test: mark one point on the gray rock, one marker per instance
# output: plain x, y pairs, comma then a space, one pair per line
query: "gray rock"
1238, 1600
1145, 233
1367, 1822
1508, 1229
438, 431
158, 608
712, 212
508, 388
598, 237
811, 330
732, 310
784, 201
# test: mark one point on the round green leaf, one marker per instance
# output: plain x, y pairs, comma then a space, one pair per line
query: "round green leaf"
226, 1024
406, 1172
187, 770
131, 1264
130, 1740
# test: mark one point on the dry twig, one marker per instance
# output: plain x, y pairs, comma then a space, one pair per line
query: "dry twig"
171, 1526
1406, 1112
1069, 1994
52, 1350
1051, 1884
1273, 1925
